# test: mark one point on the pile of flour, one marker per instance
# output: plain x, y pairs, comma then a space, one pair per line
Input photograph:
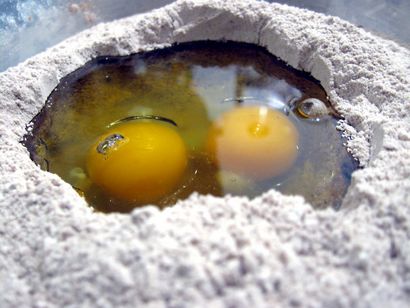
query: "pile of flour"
272, 251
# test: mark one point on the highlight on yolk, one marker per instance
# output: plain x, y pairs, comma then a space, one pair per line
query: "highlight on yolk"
139, 161
254, 141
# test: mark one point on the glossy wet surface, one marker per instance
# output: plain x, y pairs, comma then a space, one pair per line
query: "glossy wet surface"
200, 87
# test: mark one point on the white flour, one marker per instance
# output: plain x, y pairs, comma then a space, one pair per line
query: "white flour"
273, 251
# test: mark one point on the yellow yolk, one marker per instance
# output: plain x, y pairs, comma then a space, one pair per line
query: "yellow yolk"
254, 141
138, 161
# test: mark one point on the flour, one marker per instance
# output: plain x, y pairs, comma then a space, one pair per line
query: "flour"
272, 251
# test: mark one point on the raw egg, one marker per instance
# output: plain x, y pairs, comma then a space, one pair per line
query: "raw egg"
139, 161
255, 141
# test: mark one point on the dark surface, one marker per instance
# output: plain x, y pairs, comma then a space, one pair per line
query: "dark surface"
30, 26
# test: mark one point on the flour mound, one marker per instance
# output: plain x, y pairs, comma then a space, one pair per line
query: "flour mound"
272, 251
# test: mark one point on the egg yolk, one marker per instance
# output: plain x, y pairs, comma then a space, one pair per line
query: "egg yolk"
138, 161
254, 141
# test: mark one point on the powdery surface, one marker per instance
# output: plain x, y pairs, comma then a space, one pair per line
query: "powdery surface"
273, 251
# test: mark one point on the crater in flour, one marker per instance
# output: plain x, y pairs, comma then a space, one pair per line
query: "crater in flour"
209, 117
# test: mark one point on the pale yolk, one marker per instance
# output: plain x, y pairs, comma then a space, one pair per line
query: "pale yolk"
254, 141
144, 163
